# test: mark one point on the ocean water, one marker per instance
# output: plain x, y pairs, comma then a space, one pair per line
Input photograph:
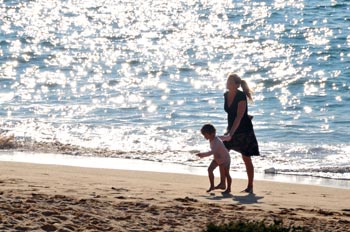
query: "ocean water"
138, 79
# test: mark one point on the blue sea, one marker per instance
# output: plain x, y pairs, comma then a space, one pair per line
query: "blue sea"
136, 80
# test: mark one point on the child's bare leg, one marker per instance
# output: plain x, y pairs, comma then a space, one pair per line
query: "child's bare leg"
211, 180
211, 177
222, 184
229, 180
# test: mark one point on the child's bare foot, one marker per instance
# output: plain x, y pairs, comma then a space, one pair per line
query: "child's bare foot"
210, 189
220, 186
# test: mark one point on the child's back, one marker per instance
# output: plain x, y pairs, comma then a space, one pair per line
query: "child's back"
221, 155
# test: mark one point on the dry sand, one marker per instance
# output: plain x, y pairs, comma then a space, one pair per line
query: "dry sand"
35, 197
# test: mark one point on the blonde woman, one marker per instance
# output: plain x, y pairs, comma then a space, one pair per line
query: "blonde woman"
240, 135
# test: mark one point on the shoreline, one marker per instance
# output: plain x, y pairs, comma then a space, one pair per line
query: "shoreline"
152, 166
46, 197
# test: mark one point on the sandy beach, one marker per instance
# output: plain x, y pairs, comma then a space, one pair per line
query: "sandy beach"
36, 197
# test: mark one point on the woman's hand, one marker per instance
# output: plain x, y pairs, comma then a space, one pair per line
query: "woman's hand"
225, 137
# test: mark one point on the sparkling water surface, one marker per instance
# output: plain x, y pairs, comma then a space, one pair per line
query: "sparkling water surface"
138, 79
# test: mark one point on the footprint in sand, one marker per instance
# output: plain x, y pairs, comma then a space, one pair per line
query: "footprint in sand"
186, 199
49, 227
120, 189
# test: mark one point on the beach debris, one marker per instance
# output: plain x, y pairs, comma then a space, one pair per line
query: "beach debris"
270, 171
6, 141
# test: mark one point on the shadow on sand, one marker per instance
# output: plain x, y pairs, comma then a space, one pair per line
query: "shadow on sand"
250, 198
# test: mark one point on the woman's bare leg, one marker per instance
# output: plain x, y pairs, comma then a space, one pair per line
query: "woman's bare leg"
250, 171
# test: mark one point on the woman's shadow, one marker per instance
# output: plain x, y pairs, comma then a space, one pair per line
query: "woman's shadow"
250, 198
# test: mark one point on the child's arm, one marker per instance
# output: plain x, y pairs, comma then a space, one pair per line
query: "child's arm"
204, 154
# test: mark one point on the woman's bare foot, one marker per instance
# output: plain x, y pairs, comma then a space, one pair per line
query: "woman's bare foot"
227, 191
210, 189
221, 186
247, 190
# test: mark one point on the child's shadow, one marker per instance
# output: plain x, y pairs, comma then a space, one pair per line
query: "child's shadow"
251, 198
214, 196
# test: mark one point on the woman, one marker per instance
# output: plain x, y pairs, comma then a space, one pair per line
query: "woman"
240, 134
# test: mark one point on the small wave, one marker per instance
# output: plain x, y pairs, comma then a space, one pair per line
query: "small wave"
338, 173
4, 43
340, 5
25, 145
12, 143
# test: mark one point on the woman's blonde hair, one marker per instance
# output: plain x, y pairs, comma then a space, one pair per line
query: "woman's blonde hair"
234, 78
